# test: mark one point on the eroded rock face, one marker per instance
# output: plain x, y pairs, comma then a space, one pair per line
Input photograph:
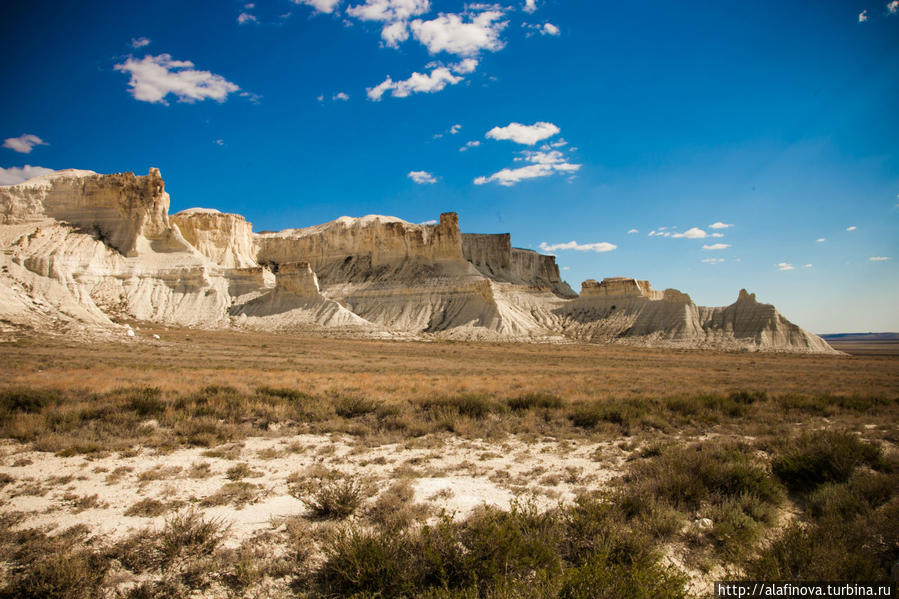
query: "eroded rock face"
86, 248
494, 256
226, 239
122, 210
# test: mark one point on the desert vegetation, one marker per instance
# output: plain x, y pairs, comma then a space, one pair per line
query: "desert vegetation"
370, 469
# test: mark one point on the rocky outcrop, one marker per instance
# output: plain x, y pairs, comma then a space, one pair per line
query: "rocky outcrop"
226, 239
494, 256
123, 210
87, 249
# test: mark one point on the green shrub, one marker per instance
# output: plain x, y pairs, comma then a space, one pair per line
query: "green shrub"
532, 401
354, 406
147, 401
75, 574
336, 496
626, 413
473, 405
815, 458
604, 578
26, 400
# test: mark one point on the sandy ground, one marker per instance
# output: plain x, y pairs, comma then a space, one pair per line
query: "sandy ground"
446, 473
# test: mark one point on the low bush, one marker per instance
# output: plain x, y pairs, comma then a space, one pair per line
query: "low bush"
821, 457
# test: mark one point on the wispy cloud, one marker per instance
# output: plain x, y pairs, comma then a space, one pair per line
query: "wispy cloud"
24, 143
821, 240
878, 258
716, 246
422, 177
471, 144
432, 82
863, 16
600, 247
455, 129
139, 42
341, 96
692, 233
15, 174
632, 231
524, 134
852, 228
893, 7
325, 6
155, 77
245, 18
720, 225
807, 265
712, 260
784, 266
543, 164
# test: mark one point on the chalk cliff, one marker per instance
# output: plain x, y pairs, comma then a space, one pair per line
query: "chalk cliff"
82, 249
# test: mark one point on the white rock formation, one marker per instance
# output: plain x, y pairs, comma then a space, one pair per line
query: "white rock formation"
82, 249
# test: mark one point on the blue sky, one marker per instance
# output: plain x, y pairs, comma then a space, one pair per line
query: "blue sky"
581, 121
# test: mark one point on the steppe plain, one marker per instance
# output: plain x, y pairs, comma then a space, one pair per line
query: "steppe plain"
235, 464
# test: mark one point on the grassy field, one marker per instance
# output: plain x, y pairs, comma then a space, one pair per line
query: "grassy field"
230, 464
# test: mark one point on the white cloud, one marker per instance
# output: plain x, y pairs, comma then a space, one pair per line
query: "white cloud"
465, 66
716, 246
15, 174
449, 33
549, 29
219, 142
632, 231
852, 228
524, 134
394, 14
694, 233
530, 6
601, 246
893, 7
455, 129
863, 16
807, 265
139, 42
24, 143
784, 266
320, 98
325, 6
422, 177
245, 17
471, 144
821, 239
712, 260
543, 164
719, 225
155, 77
435, 81
878, 258
566, 268
343, 97
717, 234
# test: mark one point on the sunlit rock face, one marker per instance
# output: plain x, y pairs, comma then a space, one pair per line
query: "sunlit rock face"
87, 250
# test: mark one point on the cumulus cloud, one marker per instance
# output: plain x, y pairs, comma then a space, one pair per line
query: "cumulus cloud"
455, 129
530, 6
879, 258
632, 231
343, 97
432, 82
716, 246
139, 42
325, 6
15, 174
153, 78
245, 17
719, 225
422, 177
465, 66
694, 233
712, 260
449, 33
784, 266
524, 134
893, 7
543, 164
395, 15
600, 247
24, 143
863, 16
549, 29
852, 228
821, 239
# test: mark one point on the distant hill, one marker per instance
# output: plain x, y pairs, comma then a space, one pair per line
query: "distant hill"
861, 337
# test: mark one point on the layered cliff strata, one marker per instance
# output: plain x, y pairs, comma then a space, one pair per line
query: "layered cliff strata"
494, 256
81, 248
